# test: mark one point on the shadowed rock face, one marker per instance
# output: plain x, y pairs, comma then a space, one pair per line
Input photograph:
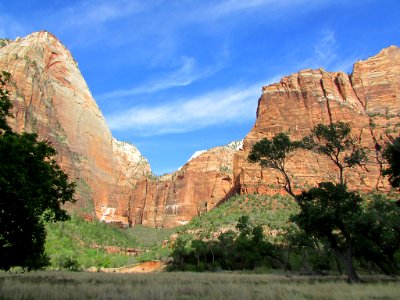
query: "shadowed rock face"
201, 184
51, 98
369, 99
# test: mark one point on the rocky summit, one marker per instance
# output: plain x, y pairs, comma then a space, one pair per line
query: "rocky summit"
368, 98
50, 97
114, 181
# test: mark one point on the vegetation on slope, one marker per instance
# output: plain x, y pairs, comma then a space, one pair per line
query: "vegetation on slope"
272, 212
77, 244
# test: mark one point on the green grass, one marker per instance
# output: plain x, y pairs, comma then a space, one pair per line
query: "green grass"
67, 285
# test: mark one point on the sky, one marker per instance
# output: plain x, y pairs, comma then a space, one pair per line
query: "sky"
176, 76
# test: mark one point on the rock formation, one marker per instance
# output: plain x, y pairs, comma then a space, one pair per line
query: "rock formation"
369, 99
203, 182
51, 98
114, 182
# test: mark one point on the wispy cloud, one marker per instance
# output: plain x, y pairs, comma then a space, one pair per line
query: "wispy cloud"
232, 6
325, 49
326, 54
188, 73
98, 12
269, 8
235, 104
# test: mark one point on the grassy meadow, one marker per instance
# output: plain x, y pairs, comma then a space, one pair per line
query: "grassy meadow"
83, 285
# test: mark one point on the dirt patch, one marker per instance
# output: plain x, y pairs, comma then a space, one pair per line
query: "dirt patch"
144, 267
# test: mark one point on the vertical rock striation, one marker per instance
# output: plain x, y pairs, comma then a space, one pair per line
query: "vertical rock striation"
369, 99
202, 183
51, 98
114, 181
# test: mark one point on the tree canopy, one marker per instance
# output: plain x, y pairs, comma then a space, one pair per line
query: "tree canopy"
328, 212
335, 142
273, 154
341, 219
392, 155
32, 190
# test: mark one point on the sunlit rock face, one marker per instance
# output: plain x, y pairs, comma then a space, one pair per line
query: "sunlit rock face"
114, 181
368, 98
50, 97
202, 183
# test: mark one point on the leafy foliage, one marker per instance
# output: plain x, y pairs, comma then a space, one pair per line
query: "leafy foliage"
84, 244
392, 155
273, 154
377, 234
271, 212
246, 248
76, 243
331, 216
32, 190
5, 103
335, 142
328, 212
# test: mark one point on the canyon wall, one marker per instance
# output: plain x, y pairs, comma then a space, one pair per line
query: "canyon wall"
51, 98
114, 181
369, 99
202, 183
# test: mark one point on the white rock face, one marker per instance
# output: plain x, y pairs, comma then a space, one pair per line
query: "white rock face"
235, 145
197, 153
132, 163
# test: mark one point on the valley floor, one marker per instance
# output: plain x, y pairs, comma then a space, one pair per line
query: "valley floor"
84, 285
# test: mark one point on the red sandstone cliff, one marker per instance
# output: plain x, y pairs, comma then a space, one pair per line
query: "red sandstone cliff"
369, 99
202, 183
51, 98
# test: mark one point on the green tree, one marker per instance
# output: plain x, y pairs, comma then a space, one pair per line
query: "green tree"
273, 154
329, 213
250, 247
392, 155
335, 142
377, 234
5, 103
181, 251
32, 190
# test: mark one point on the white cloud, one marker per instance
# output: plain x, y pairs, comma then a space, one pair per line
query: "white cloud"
233, 105
325, 49
94, 13
184, 76
269, 8
326, 54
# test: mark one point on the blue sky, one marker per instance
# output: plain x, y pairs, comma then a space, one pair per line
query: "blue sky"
174, 77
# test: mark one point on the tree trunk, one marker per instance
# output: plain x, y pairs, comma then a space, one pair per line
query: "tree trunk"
338, 266
347, 260
351, 272
288, 185
341, 178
